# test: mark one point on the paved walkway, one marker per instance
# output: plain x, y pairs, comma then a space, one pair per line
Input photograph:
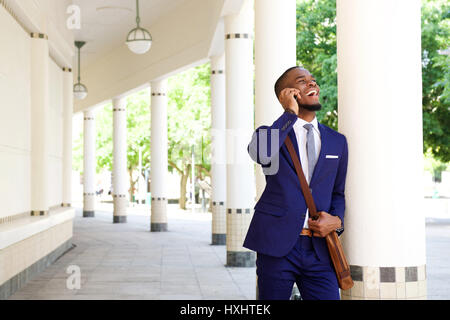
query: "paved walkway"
126, 261
438, 259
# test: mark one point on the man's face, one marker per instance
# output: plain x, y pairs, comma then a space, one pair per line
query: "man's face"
302, 80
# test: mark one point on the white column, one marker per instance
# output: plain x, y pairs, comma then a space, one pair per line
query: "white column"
120, 181
67, 136
239, 124
380, 112
159, 161
275, 52
89, 164
40, 110
218, 147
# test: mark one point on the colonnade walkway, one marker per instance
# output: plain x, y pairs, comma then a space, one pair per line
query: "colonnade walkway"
126, 261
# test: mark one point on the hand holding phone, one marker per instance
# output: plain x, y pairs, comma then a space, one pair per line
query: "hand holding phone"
289, 99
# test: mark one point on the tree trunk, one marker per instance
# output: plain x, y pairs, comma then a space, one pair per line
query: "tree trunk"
202, 177
132, 183
183, 184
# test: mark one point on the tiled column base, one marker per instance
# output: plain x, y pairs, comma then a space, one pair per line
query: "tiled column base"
219, 239
158, 214
387, 283
120, 208
158, 227
245, 259
238, 221
88, 205
219, 223
88, 214
119, 219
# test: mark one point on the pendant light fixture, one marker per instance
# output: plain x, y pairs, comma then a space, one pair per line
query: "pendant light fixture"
139, 39
79, 90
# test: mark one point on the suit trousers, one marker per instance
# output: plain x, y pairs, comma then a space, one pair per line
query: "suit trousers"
316, 280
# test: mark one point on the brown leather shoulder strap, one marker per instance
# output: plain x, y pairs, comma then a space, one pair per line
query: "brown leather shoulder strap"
301, 177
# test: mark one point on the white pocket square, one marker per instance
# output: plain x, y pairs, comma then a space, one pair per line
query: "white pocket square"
330, 156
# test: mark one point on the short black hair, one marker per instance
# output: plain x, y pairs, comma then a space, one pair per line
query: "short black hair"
279, 84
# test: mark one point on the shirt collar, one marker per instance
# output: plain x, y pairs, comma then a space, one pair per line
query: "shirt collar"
300, 123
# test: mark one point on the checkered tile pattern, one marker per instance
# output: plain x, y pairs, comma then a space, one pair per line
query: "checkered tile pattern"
89, 201
219, 223
238, 221
245, 259
120, 204
238, 36
39, 213
36, 35
387, 283
159, 210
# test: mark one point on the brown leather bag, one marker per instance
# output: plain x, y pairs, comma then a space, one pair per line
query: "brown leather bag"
334, 245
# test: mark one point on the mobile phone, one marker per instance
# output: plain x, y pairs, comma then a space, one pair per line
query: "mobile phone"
297, 100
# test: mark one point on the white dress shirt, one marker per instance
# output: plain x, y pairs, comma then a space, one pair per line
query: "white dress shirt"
300, 134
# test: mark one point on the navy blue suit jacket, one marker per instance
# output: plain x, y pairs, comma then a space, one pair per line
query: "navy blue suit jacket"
280, 212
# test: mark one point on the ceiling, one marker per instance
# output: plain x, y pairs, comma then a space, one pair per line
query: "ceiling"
105, 23
185, 33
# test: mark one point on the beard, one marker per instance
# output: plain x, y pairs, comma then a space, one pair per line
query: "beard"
311, 107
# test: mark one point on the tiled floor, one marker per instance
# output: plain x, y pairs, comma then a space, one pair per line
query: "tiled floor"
127, 261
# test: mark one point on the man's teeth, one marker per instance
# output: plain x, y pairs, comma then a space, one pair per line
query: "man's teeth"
313, 92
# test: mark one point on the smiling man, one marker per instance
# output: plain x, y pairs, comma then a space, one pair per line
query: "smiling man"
290, 246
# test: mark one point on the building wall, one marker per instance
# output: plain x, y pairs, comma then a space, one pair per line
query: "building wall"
15, 125
15, 122
27, 243
56, 133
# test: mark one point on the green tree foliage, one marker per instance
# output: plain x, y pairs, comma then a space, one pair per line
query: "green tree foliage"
316, 51
77, 153
436, 78
103, 139
189, 123
435, 167
138, 135
189, 95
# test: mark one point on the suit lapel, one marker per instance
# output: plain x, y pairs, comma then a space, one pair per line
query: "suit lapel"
324, 141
